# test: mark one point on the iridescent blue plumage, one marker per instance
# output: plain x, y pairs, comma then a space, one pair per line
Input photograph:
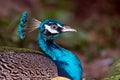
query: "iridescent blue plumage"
22, 24
67, 62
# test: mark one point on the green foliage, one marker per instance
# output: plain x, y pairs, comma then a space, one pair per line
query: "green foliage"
114, 71
4, 22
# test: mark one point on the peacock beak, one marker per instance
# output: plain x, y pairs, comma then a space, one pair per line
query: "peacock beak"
68, 28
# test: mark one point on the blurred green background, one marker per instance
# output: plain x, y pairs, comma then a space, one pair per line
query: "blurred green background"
97, 23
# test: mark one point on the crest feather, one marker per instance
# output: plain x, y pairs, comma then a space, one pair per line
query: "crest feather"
27, 24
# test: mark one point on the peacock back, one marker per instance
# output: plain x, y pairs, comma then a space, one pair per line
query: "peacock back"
25, 64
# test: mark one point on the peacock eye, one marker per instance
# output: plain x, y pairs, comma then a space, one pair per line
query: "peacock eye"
54, 26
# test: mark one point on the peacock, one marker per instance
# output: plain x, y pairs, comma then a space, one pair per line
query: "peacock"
26, 64
68, 64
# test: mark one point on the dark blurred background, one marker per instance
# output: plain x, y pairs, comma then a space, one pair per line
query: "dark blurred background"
97, 41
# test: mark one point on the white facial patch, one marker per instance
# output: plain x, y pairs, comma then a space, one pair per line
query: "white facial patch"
50, 30
59, 25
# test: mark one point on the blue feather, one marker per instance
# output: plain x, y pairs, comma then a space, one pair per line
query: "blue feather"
68, 64
21, 25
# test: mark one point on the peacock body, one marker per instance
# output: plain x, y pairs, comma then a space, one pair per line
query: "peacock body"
25, 64
67, 62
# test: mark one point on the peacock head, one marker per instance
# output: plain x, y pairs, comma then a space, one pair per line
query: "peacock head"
51, 28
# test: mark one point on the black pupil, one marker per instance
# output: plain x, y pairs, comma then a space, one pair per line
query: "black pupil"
54, 26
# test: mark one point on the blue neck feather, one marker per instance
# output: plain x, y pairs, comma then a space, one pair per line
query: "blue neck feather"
68, 64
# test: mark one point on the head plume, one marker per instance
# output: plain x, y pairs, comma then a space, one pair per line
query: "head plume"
27, 24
